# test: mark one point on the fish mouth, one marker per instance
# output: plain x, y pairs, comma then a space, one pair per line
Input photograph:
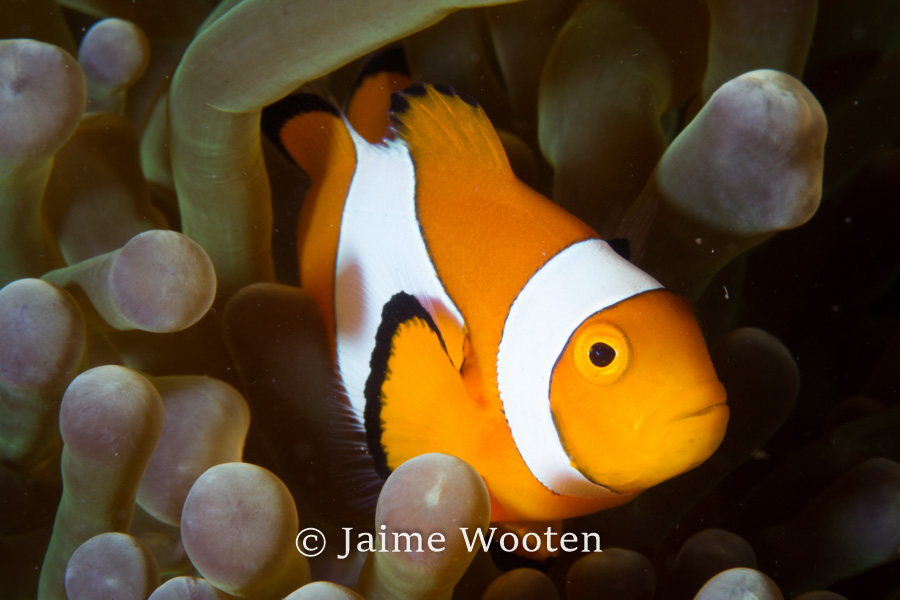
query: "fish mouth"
700, 402
703, 411
677, 436
675, 439
703, 402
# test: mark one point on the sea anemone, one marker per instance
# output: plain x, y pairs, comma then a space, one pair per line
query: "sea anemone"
164, 381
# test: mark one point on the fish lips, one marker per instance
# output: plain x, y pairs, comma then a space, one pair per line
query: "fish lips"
676, 437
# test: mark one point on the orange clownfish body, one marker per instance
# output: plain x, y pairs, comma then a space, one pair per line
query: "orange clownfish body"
470, 315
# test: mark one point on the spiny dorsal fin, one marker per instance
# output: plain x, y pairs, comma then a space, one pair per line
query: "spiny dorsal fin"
310, 131
367, 111
445, 128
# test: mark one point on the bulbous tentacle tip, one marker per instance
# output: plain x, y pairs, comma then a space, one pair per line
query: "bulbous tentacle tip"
42, 97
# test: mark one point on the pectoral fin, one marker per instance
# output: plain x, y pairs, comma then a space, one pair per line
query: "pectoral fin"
415, 398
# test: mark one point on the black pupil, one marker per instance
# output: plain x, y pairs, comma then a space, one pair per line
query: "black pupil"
601, 354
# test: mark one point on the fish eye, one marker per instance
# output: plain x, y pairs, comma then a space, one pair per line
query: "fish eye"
602, 354
600, 351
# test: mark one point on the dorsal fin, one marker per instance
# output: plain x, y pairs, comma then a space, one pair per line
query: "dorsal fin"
309, 130
367, 111
445, 128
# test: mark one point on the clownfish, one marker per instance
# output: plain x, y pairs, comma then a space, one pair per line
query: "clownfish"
470, 315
